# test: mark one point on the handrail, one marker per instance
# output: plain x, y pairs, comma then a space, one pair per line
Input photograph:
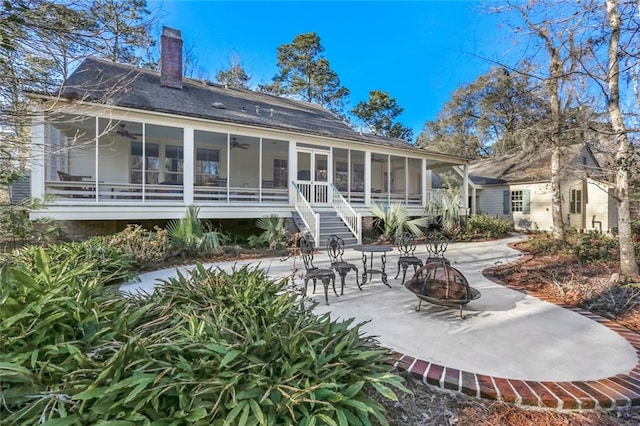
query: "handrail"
310, 218
349, 216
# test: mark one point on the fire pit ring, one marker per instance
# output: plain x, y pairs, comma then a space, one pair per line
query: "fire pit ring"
441, 284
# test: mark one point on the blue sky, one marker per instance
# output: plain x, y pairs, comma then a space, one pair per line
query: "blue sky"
417, 51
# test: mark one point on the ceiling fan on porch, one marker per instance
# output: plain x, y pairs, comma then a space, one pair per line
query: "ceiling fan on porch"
236, 144
122, 131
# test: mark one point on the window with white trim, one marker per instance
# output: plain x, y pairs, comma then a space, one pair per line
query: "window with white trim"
517, 201
575, 201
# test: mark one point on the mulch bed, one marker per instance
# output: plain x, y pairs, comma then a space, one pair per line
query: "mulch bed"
553, 277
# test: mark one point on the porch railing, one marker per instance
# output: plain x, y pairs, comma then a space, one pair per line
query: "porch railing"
349, 216
434, 196
315, 192
310, 218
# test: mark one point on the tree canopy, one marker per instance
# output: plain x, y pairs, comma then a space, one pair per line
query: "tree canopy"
306, 74
40, 43
234, 76
379, 113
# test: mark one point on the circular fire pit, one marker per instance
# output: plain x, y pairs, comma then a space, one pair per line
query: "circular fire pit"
441, 284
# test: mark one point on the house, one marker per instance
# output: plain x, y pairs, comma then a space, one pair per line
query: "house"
125, 144
518, 188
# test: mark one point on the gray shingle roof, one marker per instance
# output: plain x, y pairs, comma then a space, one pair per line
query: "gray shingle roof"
107, 82
520, 167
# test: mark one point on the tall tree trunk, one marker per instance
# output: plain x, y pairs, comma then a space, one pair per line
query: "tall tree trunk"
555, 69
624, 155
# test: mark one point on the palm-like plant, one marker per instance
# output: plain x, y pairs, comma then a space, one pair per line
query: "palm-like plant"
189, 234
393, 219
274, 231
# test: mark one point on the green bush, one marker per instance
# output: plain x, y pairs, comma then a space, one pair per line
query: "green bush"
57, 326
274, 233
485, 226
191, 236
208, 347
544, 243
594, 247
98, 260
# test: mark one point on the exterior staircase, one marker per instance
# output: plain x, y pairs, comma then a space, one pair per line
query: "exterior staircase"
330, 224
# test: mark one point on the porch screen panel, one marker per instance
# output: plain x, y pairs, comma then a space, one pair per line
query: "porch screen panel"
275, 171
341, 171
414, 189
70, 157
398, 181
379, 178
210, 171
244, 168
356, 191
170, 143
120, 160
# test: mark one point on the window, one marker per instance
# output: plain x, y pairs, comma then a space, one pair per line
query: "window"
280, 173
173, 164
207, 166
150, 159
575, 202
516, 201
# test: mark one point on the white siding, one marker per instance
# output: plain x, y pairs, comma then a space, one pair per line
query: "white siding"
490, 201
601, 207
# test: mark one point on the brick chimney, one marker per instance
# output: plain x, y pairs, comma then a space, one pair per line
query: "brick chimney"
171, 58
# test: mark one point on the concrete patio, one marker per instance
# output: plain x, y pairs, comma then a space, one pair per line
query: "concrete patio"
511, 346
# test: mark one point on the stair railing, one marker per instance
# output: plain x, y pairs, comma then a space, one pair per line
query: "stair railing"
310, 218
349, 216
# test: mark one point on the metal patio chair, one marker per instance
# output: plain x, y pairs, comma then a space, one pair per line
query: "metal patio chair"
406, 244
335, 250
314, 273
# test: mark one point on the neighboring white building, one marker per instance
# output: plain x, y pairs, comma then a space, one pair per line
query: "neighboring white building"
519, 189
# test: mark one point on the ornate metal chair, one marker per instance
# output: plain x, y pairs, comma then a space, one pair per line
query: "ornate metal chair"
314, 273
406, 244
436, 244
335, 250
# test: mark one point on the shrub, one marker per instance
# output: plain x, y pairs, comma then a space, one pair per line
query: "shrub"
545, 244
57, 325
274, 233
144, 247
392, 220
594, 247
207, 347
15, 223
191, 236
485, 226
98, 260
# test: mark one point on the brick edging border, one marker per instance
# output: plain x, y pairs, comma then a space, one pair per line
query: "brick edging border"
622, 390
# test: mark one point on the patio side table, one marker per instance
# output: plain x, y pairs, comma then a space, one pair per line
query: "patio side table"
371, 250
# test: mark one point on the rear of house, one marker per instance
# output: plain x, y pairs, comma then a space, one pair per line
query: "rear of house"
124, 144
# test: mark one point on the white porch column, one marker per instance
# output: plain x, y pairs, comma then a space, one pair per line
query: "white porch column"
423, 185
466, 187
293, 170
37, 155
189, 165
367, 178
